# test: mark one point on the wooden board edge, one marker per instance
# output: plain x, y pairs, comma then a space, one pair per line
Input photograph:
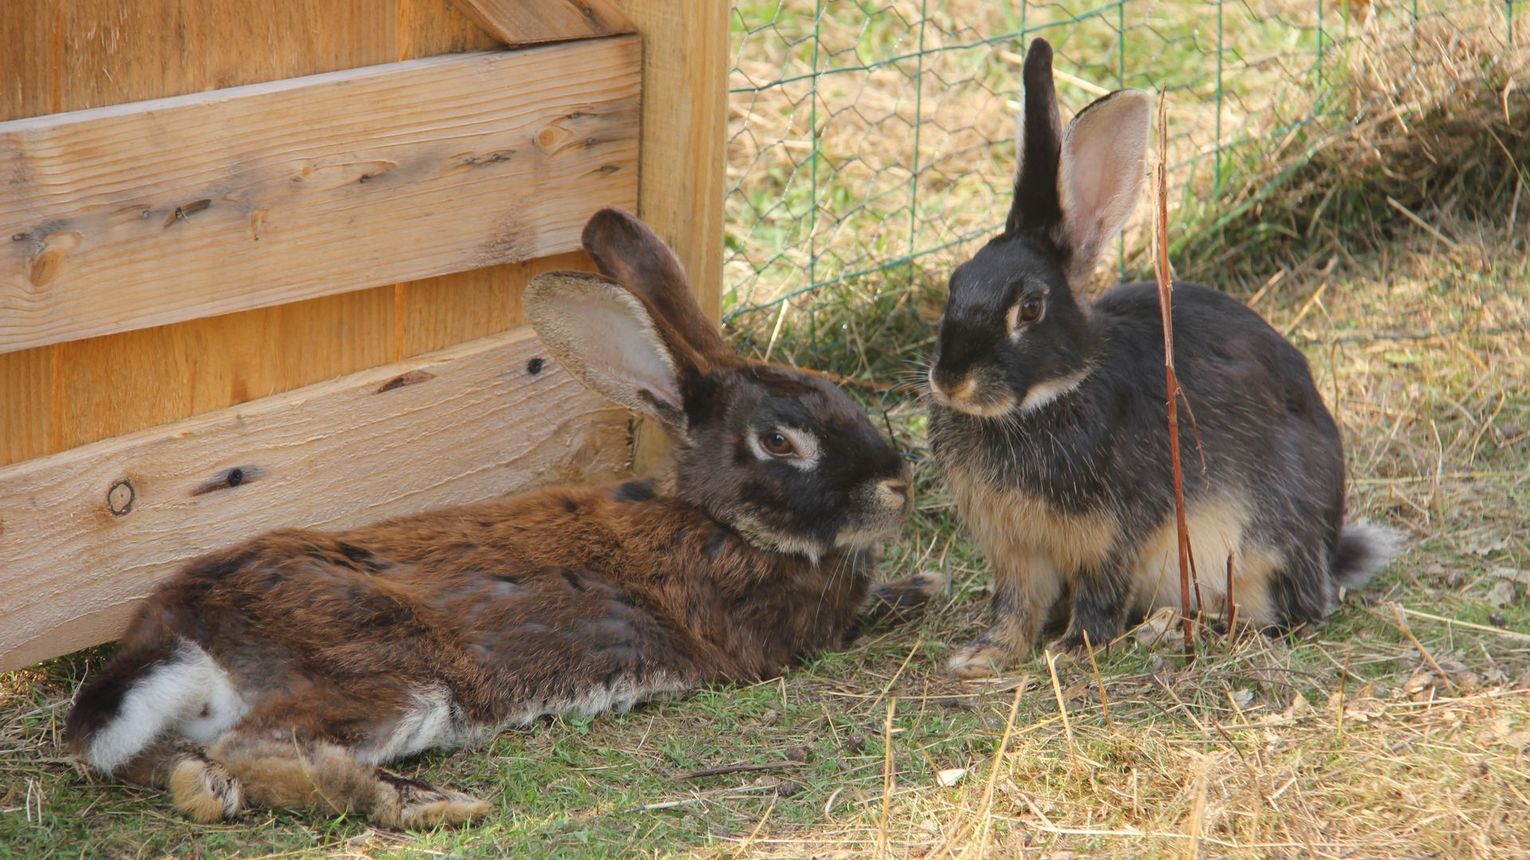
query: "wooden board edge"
91, 530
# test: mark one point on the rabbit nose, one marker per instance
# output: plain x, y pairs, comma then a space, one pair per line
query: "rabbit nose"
895, 491
950, 386
950, 389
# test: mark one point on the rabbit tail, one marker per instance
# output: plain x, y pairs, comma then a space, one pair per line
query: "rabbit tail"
162, 686
1364, 549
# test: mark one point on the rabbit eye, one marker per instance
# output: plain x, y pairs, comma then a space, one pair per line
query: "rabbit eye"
777, 445
1030, 310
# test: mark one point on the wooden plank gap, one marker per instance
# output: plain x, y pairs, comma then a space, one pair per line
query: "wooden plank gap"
527, 22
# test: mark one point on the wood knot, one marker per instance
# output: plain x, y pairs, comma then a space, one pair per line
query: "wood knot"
552, 138
119, 499
186, 210
403, 379
47, 264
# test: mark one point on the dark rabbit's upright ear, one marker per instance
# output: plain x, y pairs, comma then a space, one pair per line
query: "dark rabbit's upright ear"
627, 251
1101, 173
1038, 140
605, 336
1076, 187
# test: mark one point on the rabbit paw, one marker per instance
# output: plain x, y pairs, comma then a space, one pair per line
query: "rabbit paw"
1079, 640
420, 805
902, 598
983, 658
205, 790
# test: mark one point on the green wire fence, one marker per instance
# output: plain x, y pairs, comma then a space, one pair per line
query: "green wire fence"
875, 139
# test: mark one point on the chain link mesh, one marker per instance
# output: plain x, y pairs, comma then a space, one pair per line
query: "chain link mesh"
869, 136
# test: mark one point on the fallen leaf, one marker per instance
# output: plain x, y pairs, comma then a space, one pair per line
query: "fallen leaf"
1488, 546
1520, 576
1502, 593
950, 776
1160, 628
1298, 707
1420, 681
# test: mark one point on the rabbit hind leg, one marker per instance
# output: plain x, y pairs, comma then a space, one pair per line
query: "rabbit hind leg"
329, 778
296, 752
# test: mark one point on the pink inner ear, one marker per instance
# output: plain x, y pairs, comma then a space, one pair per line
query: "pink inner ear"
621, 352
1102, 169
604, 336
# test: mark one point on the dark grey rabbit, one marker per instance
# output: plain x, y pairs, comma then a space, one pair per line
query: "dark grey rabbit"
282, 671
1049, 416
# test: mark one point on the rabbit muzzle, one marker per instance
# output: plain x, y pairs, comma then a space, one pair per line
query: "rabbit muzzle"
970, 394
880, 509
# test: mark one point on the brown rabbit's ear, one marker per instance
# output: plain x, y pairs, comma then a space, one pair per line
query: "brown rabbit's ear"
606, 337
627, 251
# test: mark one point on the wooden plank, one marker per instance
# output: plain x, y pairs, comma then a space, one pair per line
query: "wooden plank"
90, 531
430, 27
685, 123
28, 85
526, 22
434, 313
87, 53
139, 215
109, 383
685, 126
114, 52
26, 397
106, 52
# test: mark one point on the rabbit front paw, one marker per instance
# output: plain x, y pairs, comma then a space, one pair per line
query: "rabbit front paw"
985, 657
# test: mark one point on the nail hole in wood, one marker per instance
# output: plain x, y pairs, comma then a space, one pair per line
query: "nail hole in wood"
229, 479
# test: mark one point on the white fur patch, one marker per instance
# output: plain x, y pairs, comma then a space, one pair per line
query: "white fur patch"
757, 534
426, 724
1043, 393
435, 722
190, 694
617, 698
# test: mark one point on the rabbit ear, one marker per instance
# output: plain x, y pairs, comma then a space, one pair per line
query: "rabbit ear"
606, 337
635, 257
1101, 172
1038, 140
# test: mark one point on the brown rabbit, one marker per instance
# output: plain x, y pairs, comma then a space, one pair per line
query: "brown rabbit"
282, 671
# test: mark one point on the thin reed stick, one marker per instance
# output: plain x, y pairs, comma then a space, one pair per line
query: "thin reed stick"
1165, 280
